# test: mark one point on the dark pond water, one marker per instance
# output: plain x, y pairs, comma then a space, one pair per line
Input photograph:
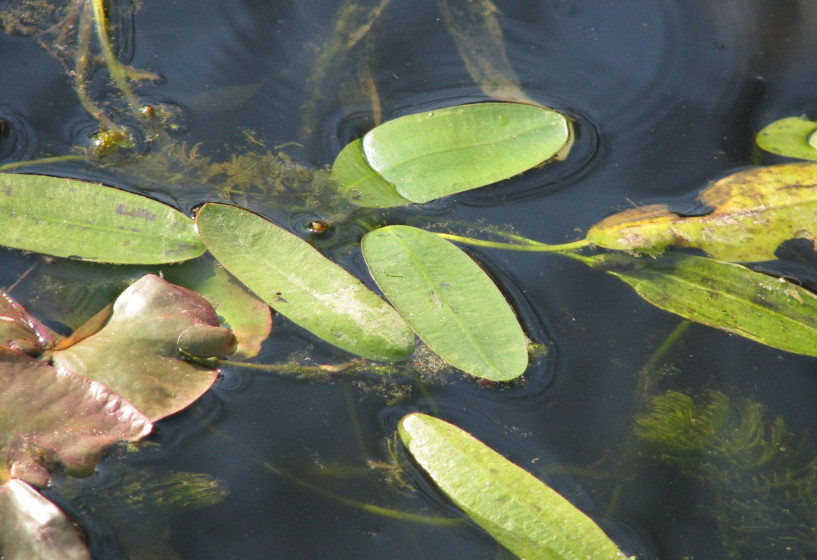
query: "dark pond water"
667, 96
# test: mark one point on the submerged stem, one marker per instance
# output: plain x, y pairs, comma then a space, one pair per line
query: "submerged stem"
45, 160
349, 502
81, 63
115, 68
526, 245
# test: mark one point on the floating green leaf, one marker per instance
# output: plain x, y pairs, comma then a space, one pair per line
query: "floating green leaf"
753, 212
449, 301
790, 137
137, 353
361, 184
77, 219
300, 283
32, 528
445, 151
525, 515
723, 295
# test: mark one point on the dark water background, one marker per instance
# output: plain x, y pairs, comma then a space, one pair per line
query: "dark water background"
667, 95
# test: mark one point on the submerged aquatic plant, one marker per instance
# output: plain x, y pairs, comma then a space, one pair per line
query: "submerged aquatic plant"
763, 480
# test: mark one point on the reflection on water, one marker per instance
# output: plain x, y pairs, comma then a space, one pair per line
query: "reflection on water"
665, 96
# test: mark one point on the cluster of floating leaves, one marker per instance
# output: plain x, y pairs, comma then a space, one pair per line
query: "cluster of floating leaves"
107, 382
411, 160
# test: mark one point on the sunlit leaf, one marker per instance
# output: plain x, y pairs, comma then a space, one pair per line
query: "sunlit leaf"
247, 317
71, 292
137, 352
300, 283
32, 528
445, 151
753, 212
521, 512
449, 301
360, 183
20, 331
77, 219
723, 295
46, 412
790, 137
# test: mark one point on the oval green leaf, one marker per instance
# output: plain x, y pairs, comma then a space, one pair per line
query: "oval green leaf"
360, 183
754, 211
449, 301
790, 137
303, 285
723, 295
445, 151
521, 512
89, 221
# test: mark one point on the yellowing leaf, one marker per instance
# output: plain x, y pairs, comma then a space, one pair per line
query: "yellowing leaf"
791, 137
754, 211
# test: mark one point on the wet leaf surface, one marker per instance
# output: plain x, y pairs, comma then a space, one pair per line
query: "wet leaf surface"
723, 295
32, 528
446, 151
449, 301
754, 211
137, 352
521, 512
20, 331
361, 184
82, 220
300, 283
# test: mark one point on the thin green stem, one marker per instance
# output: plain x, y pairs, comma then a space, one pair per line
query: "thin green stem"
349, 502
117, 71
526, 245
81, 63
352, 367
41, 161
646, 375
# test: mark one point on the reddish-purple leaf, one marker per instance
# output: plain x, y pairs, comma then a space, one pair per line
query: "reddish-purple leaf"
137, 352
49, 415
32, 528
